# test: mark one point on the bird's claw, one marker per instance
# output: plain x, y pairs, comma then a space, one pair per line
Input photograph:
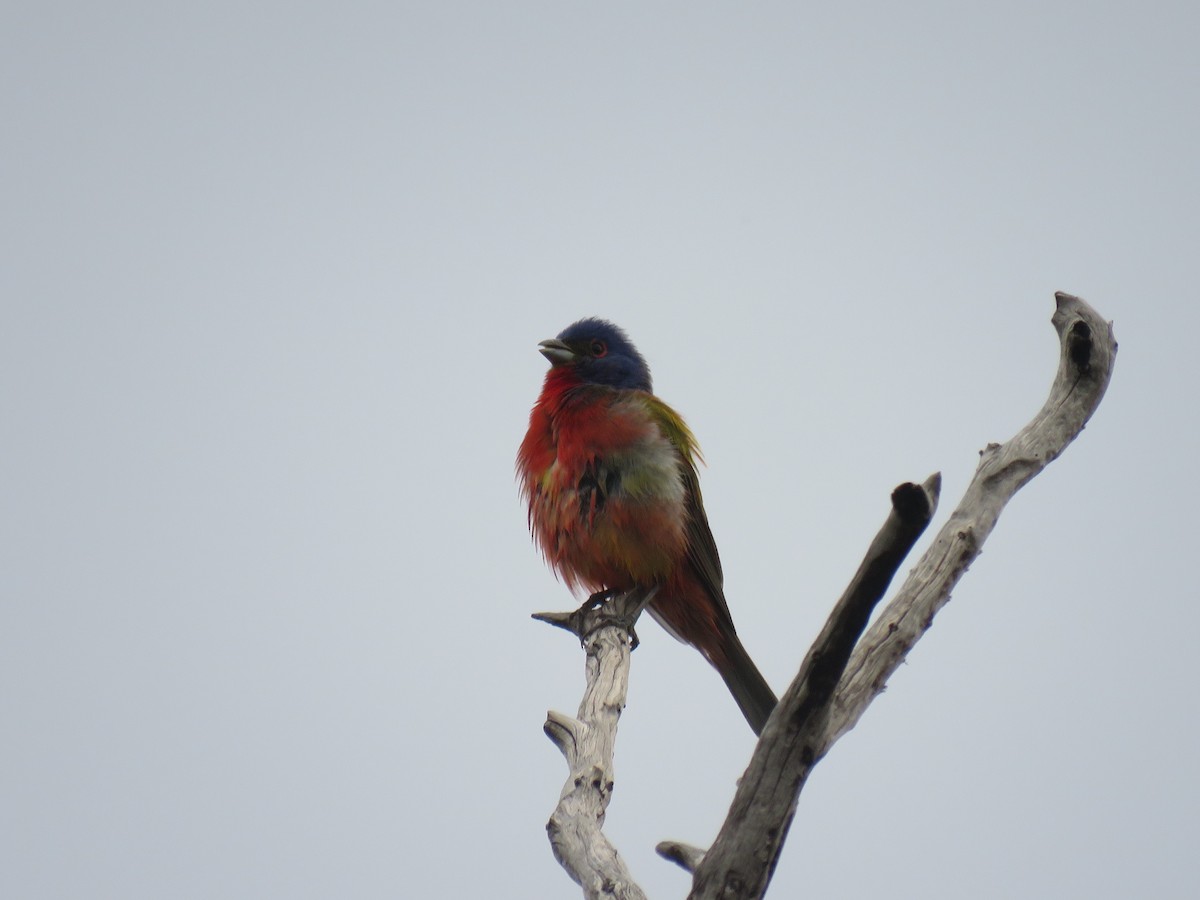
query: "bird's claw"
608, 607
625, 616
598, 599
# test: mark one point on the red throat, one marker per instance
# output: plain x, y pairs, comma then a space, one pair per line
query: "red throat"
558, 382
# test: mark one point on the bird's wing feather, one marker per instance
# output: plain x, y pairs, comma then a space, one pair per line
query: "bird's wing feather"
701, 546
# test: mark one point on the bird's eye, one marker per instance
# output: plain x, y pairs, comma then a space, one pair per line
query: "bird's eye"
599, 348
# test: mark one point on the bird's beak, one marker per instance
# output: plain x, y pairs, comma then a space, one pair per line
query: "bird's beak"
556, 351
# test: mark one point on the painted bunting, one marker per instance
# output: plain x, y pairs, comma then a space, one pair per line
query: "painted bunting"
609, 472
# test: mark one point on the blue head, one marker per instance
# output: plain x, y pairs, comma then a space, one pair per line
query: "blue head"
600, 353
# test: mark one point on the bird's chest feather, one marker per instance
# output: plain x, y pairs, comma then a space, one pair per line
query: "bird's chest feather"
606, 494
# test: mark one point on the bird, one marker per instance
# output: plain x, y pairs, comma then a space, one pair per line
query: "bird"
609, 474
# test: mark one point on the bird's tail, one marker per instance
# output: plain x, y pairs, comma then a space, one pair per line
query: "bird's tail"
702, 625
750, 690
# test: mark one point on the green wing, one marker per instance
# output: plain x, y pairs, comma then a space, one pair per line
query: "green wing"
701, 546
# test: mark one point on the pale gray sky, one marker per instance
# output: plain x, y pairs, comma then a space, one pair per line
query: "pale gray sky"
273, 281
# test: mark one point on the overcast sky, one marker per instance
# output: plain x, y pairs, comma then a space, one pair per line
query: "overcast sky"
273, 280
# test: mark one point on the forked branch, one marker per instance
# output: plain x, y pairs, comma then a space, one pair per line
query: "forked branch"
741, 861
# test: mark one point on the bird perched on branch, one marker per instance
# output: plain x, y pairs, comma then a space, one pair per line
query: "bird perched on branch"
609, 472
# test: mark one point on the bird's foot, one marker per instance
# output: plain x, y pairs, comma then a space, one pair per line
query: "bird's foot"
597, 600
607, 607
621, 608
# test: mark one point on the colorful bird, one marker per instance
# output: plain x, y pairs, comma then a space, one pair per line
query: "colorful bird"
609, 472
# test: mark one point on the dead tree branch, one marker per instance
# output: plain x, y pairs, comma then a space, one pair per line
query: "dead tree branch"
1088, 352
741, 861
587, 742
743, 857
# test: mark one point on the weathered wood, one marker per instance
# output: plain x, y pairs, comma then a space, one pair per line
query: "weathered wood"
742, 860
587, 743
686, 856
1088, 352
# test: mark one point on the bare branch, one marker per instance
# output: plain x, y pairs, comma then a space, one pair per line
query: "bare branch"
587, 743
1088, 351
743, 857
812, 715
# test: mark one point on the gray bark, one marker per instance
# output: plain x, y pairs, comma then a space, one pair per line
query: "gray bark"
1088, 352
587, 743
741, 861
